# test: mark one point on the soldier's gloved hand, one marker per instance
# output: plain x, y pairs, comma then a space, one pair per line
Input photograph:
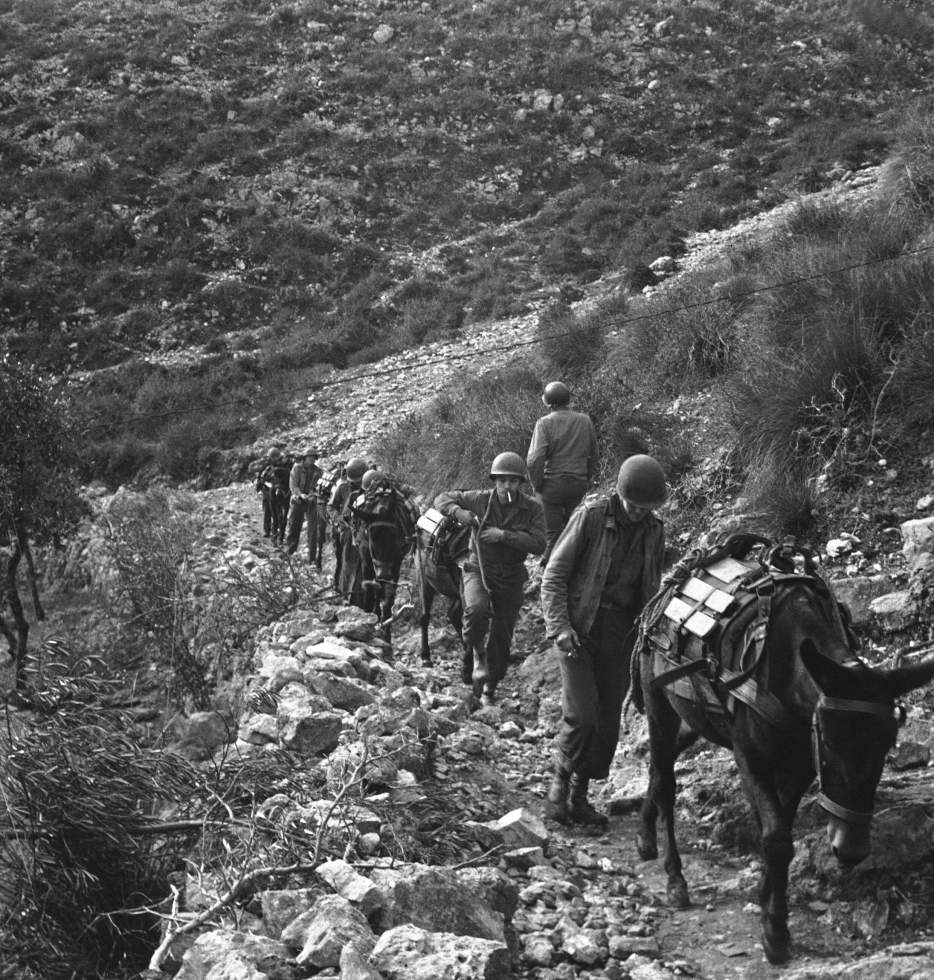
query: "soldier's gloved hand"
492, 535
567, 641
466, 517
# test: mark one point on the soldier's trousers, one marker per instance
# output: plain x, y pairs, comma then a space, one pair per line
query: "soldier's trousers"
490, 618
300, 512
559, 496
594, 683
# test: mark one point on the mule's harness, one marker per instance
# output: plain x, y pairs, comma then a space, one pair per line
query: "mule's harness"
824, 704
740, 685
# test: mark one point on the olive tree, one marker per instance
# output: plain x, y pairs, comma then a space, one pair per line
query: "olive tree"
39, 498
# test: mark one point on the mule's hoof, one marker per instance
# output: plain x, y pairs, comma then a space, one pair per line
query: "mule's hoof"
477, 687
777, 949
647, 849
677, 894
427, 662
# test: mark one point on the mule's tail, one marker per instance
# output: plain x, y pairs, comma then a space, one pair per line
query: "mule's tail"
634, 697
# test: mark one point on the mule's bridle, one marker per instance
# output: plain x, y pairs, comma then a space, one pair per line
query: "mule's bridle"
825, 704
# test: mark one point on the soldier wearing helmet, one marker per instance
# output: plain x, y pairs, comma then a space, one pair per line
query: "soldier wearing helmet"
562, 459
303, 485
604, 568
348, 575
508, 525
273, 483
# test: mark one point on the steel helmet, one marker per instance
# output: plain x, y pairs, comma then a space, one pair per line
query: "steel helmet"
275, 451
556, 393
508, 464
355, 469
310, 451
369, 477
641, 481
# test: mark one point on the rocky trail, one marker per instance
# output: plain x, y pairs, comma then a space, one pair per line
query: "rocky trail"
567, 903
585, 905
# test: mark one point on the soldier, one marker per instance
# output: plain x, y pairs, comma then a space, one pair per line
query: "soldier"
303, 482
507, 526
562, 459
604, 568
273, 484
348, 577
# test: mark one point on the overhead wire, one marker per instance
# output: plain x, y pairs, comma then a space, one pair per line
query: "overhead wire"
612, 324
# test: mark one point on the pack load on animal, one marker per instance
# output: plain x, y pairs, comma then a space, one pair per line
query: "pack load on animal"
443, 538
707, 629
325, 485
378, 498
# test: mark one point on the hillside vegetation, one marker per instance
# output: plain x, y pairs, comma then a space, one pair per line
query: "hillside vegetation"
794, 374
284, 186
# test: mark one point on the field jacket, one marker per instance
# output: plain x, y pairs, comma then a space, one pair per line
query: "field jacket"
523, 522
564, 443
573, 581
304, 479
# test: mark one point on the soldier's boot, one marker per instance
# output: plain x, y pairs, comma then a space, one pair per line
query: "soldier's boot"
580, 809
489, 694
481, 672
556, 799
467, 666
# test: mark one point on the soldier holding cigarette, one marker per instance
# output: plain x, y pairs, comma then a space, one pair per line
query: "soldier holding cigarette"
507, 526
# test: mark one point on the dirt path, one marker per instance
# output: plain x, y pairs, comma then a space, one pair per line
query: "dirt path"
717, 937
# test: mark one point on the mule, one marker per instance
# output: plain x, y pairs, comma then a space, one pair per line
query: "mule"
385, 537
783, 687
438, 574
319, 515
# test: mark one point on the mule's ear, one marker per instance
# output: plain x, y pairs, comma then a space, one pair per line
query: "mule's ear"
827, 674
908, 677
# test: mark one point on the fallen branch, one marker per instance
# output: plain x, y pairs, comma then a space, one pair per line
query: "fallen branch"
229, 897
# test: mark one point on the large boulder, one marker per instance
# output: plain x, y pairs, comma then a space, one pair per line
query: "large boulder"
325, 929
467, 901
858, 593
307, 730
227, 953
280, 906
356, 888
407, 952
340, 692
918, 537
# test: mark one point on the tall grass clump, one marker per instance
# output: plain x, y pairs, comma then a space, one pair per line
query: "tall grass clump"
830, 353
907, 179
686, 336
452, 443
570, 344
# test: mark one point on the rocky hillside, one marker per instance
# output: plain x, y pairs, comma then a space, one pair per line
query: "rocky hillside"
306, 183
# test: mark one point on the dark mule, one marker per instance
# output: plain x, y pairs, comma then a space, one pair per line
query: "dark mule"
385, 536
437, 573
773, 675
323, 490
279, 510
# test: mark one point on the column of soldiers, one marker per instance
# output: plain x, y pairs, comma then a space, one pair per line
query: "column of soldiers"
602, 561
602, 558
